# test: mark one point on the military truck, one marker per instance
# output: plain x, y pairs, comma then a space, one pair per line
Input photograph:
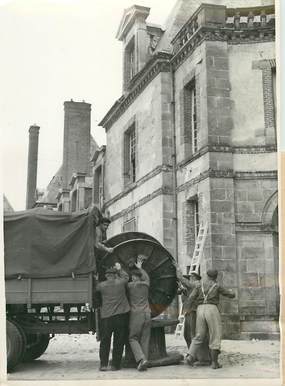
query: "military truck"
51, 270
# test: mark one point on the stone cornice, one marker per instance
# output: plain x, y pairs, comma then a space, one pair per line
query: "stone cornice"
159, 63
159, 169
228, 173
264, 175
256, 149
230, 35
253, 227
142, 201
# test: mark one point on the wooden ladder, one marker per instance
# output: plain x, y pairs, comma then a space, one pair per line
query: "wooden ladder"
199, 249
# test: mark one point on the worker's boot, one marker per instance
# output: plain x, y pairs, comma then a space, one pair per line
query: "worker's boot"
190, 360
214, 356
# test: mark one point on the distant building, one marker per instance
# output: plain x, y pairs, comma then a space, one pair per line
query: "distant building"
71, 187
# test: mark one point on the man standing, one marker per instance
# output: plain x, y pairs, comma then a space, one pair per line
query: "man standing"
140, 318
207, 296
190, 314
188, 283
114, 316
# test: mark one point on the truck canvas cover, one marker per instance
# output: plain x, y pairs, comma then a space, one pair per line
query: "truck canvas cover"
43, 243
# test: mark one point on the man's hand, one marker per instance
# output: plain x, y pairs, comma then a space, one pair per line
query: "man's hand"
178, 272
140, 260
138, 264
110, 250
117, 266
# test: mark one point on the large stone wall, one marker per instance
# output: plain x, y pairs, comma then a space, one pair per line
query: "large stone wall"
247, 92
146, 110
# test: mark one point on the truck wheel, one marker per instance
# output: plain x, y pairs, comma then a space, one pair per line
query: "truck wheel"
24, 339
36, 346
15, 345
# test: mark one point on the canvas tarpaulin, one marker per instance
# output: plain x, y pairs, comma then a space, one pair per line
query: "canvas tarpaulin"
45, 243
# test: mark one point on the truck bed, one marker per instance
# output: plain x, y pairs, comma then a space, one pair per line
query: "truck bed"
65, 290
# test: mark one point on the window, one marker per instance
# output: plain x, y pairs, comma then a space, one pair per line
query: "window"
274, 92
130, 225
129, 61
191, 227
190, 116
98, 187
196, 217
130, 155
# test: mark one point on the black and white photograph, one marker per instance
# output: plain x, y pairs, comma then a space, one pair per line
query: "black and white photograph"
140, 180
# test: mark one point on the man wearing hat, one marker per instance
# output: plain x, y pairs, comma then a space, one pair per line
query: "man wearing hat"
114, 316
187, 284
207, 296
140, 318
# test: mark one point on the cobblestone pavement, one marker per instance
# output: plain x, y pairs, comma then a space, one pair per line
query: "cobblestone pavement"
77, 357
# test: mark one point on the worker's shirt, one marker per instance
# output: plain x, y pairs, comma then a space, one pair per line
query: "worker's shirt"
114, 298
138, 293
189, 287
100, 237
208, 292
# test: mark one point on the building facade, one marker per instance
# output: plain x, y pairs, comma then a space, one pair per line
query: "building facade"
193, 140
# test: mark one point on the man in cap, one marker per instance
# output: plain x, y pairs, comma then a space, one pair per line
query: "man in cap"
114, 316
207, 296
139, 326
187, 285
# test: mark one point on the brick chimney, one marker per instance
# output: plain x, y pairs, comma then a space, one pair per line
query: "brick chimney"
32, 166
76, 142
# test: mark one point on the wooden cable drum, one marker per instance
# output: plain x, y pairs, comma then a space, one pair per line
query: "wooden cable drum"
126, 236
158, 263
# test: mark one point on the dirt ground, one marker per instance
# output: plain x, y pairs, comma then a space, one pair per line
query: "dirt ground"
74, 357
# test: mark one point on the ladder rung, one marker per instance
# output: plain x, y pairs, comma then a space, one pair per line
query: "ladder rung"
199, 247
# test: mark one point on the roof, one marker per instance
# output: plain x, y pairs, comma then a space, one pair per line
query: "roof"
128, 19
184, 9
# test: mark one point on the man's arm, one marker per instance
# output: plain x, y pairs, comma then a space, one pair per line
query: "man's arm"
226, 292
145, 277
194, 294
185, 282
121, 273
99, 244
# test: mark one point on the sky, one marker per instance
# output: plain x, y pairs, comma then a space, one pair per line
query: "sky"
53, 51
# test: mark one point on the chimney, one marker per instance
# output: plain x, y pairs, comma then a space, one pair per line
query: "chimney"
32, 166
76, 142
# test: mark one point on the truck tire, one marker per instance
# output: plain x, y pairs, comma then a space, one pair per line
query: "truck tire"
24, 339
36, 346
15, 345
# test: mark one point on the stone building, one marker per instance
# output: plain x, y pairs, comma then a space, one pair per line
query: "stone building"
71, 188
193, 140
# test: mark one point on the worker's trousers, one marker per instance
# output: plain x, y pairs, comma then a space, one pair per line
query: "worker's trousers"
117, 326
189, 327
139, 334
208, 319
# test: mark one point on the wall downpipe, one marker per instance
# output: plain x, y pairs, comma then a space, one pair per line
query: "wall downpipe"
174, 174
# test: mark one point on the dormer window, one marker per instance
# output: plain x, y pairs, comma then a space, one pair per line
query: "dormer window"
130, 60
